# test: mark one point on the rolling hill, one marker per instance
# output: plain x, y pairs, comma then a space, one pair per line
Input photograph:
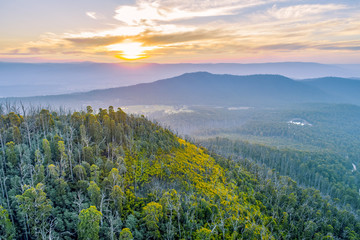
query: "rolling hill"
200, 88
347, 90
34, 79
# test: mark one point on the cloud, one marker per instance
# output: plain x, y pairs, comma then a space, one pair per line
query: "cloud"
150, 38
301, 11
96, 41
117, 31
285, 46
91, 15
352, 46
170, 29
148, 12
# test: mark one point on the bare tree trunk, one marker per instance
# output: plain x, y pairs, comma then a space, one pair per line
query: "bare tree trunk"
79, 201
2, 142
102, 202
26, 124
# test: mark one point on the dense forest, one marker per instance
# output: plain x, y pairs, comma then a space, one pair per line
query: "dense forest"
323, 171
332, 128
108, 175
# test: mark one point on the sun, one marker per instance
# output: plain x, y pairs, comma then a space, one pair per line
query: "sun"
130, 50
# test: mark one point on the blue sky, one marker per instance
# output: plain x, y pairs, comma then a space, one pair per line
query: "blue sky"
174, 31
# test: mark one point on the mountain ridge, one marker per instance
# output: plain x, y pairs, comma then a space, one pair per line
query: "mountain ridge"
63, 78
200, 88
344, 88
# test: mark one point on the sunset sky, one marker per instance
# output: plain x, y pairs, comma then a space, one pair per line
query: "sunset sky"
174, 31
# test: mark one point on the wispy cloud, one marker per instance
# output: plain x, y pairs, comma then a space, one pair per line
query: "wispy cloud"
96, 41
301, 11
91, 15
182, 37
151, 12
171, 29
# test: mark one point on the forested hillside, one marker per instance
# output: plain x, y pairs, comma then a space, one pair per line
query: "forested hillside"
108, 175
321, 170
347, 89
334, 128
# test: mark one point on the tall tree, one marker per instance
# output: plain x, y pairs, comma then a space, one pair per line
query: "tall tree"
126, 234
36, 208
152, 212
88, 228
94, 193
7, 230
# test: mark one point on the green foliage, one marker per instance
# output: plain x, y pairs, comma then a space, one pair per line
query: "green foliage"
88, 228
293, 212
203, 234
117, 197
94, 173
152, 212
79, 172
53, 171
47, 151
88, 155
11, 154
89, 175
322, 170
7, 230
94, 193
126, 234
36, 207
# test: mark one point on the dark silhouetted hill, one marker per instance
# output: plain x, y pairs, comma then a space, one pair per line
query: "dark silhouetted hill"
200, 88
34, 79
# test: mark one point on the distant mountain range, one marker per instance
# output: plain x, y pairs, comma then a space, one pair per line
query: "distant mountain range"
345, 90
33, 79
202, 88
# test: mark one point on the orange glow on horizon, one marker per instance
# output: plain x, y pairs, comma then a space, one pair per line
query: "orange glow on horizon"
131, 59
130, 51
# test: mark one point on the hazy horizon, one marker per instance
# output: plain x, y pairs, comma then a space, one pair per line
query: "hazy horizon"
40, 61
34, 79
